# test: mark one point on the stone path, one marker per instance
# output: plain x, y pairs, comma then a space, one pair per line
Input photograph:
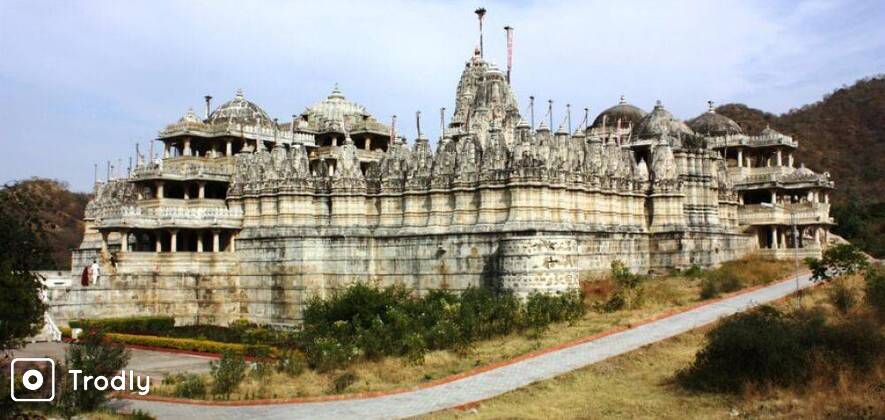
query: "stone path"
155, 364
486, 384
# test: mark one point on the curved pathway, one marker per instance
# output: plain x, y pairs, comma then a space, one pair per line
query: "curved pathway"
486, 384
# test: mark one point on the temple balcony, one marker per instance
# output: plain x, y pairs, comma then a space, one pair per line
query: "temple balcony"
164, 215
751, 141
806, 213
185, 168
264, 133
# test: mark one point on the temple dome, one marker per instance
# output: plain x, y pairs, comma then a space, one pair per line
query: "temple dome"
624, 111
712, 124
659, 121
240, 111
334, 109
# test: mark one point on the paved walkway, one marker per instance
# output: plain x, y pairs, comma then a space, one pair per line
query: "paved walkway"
155, 364
487, 384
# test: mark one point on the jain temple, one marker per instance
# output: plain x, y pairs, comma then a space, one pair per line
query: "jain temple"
239, 215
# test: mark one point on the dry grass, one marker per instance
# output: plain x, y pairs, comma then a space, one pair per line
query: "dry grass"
659, 294
639, 385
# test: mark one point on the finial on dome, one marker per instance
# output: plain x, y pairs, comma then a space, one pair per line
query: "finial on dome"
336, 92
622, 101
658, 104
710, 107
239, 93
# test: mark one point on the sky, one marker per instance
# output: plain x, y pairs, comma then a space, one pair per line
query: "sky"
82, 82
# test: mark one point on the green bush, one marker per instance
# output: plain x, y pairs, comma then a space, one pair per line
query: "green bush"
719, 281
343, 381
227, 373
628, 289
327, 353
255, 350
874, 288
151, 325
767, 347
837, 260
189, 385
543, 310
291, 362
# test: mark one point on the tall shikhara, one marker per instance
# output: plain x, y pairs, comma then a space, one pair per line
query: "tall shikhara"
242, 216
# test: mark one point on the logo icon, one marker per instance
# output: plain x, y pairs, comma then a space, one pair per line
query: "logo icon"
33, 385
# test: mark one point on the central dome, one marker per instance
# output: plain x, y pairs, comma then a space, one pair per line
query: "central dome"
334, 110
240, 111
660, 121
627, 113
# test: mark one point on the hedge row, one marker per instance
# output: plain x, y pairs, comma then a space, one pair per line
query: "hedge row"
254, 350
156, 325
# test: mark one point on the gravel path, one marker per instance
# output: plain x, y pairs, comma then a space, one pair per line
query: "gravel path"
487, 384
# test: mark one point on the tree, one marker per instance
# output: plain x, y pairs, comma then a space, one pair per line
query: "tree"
22, 249
837, 261
94, 356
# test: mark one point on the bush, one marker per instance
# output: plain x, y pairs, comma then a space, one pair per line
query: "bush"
227, 373
767, 347
543, 310
719, 281
94, 356
628, 291
837, 260
343, 381
842, 297
326, 353
189, 385
255, 350
874, 288
150, 325
291, 362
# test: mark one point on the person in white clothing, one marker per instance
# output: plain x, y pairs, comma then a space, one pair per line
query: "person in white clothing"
95, 272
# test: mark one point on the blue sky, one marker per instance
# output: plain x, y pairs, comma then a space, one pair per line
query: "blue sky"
82, 82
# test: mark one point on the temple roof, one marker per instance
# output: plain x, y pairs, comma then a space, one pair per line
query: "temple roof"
660, 121
712, 124
336, 112
624, 111
240, 111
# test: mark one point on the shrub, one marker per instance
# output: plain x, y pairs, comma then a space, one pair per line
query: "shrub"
261, 369
189, 385
152, 325
227, 373
837, 260
874, 288
291, 362
842, 297
140, 415
326, 353
767, 347
628, 291
543, 310
94, 356
343, 381
719, 281
255, 350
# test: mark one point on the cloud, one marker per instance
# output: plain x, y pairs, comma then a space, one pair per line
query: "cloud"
81, 82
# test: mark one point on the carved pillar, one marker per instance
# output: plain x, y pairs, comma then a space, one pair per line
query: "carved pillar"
124, 241
783, 243
215, 241
233, 241
201, 192
790, 159
228, 149
780, 158
817, 235
187, 147
158, 244
740, 158
165, 150
173, 235
187, 191
160, 194
774, 237
368, 143
199, 241
827, 198
773, 197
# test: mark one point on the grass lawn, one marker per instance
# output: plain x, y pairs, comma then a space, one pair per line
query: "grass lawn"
659, 294
640, 385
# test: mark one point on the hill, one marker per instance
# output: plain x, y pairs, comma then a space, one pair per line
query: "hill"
60, 215
844, 134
